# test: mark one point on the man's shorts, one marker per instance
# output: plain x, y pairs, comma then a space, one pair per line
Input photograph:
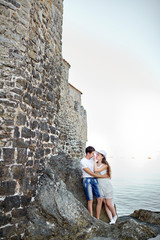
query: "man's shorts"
91, 187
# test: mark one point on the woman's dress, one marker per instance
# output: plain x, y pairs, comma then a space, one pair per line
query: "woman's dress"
105, 185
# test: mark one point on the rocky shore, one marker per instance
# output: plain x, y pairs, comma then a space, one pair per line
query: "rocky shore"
41, 193
59, 210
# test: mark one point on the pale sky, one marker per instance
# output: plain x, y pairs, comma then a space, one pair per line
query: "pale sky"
114, 51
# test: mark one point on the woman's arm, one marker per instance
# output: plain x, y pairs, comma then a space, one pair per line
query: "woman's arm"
87, 170
96, 169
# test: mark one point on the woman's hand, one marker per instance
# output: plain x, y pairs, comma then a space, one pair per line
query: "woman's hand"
95, 160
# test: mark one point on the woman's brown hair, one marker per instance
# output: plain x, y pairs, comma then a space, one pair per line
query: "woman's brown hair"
108, 166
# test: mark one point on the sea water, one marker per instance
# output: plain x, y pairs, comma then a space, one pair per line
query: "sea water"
131, 194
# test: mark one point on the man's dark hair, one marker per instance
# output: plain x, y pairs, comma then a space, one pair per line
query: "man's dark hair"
90, 149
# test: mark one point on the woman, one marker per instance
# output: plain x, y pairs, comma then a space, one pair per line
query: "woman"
102, 167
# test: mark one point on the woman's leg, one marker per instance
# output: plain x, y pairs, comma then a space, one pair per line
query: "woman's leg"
109, 214
111, 207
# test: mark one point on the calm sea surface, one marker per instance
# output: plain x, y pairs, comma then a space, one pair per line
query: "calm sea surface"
133, 194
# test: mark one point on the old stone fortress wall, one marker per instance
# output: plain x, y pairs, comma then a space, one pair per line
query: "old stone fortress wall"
40, 113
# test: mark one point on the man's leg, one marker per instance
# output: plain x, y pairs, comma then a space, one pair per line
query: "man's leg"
99, 207
89, 193
90, 207
98, 196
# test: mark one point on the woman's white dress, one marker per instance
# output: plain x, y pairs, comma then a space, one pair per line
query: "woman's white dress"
105, 185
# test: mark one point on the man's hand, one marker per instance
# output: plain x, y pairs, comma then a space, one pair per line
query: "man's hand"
87, 170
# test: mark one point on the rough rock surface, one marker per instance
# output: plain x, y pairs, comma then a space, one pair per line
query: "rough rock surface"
147, 216
59, 211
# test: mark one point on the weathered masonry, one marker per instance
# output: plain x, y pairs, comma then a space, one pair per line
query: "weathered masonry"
72, 118
40, 113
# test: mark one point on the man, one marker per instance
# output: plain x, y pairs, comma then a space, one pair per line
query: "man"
90, 182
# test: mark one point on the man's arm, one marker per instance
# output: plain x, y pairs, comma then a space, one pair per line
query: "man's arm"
87, 170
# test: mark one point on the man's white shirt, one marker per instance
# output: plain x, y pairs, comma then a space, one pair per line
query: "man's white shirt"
87, 163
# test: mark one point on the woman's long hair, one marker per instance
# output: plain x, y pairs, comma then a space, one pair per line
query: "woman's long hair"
108, 166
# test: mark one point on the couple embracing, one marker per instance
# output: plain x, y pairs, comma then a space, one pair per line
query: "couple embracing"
96, 181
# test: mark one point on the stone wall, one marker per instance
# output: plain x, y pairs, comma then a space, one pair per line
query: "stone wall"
72, 118
32, 104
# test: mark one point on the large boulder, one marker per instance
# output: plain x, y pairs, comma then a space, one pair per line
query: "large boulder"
147, 216
59, 210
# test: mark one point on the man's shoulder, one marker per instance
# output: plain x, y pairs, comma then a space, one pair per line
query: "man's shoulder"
83, 159
87, 160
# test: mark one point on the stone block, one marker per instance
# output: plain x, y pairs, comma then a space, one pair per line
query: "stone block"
50, 97
30, 88
20, 143
18, 172
5, 135
36, 103
35, 74
2, 95
26, 132
7, 187
53, 139
4, 172
7, 231
33, 180
39, 153
25, 201
27, 98
23, 107
22, 82
15, 53
43, 114
1, 111
21, 119
76, 106
25, 183
16, 132
9, 122
53, 82
4, 220
29, 163
8, 154
11, 202
34, 124
18, 213
32, 55
42, 161
39, 92
36, 164
17, 91
8, 103
30, 153
29, 172
35, 113
1, 84
50, 117
44, 126
33, 134
47, 151
22, 155
45, 137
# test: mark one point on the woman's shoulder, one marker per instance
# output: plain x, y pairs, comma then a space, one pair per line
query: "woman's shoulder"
103, 165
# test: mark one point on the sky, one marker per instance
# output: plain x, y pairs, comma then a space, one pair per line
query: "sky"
114, 52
